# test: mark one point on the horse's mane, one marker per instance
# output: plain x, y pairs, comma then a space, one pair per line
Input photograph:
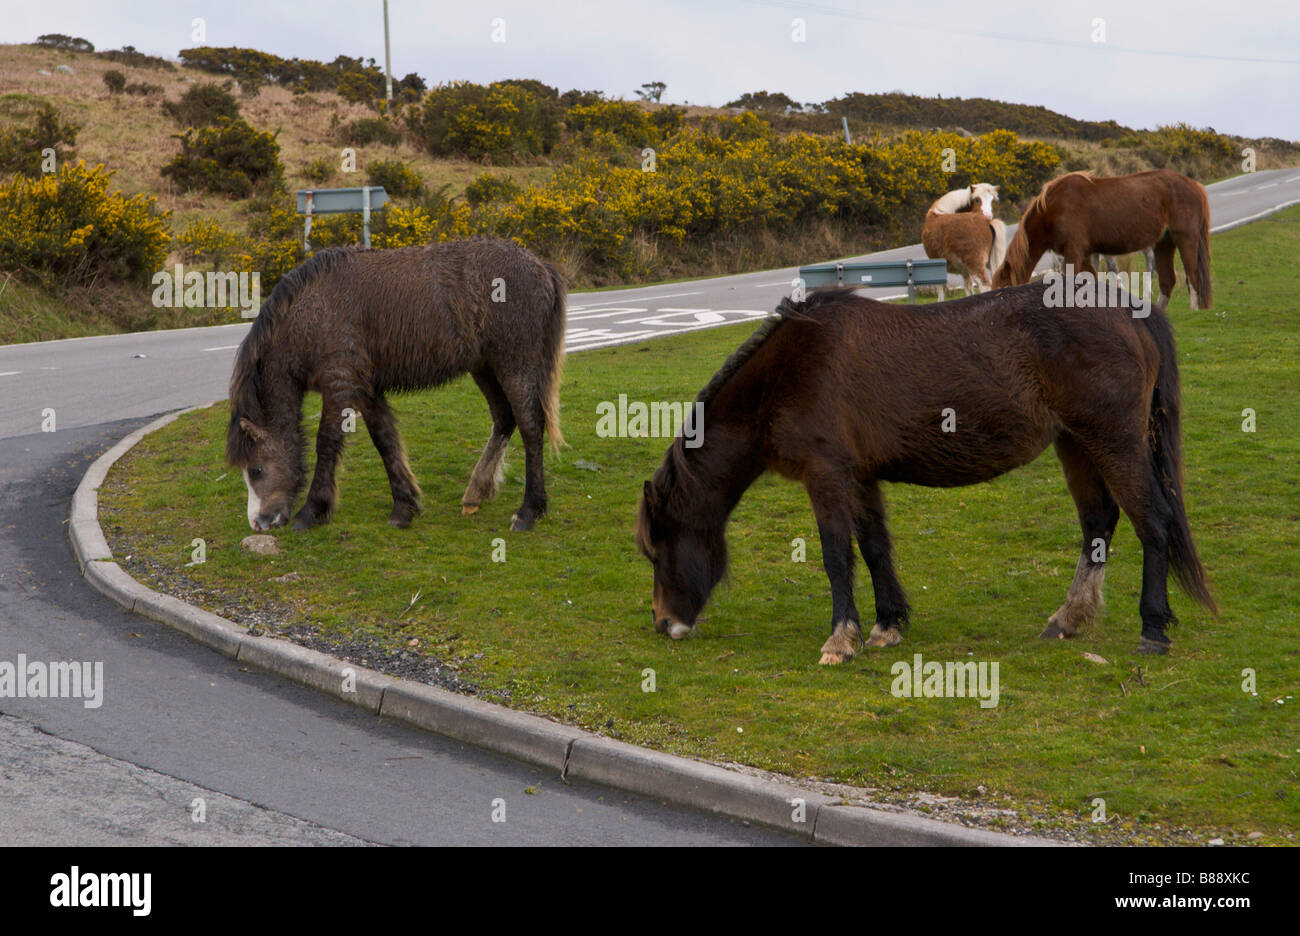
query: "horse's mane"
952, 202
246, 384
788, 309
1040, 200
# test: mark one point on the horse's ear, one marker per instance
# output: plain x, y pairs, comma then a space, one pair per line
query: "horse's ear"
255, 432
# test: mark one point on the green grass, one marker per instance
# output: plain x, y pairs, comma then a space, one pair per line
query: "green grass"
563, 627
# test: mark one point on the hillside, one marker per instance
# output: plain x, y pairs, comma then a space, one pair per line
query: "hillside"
736, 188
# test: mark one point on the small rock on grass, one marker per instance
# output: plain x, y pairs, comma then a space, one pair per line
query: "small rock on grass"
1254, 836
262, 544
287, 578
1094, 658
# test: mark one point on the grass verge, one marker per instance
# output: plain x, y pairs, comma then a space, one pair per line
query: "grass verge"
1175, 746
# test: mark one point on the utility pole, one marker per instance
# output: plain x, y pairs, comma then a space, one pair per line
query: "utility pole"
388, 60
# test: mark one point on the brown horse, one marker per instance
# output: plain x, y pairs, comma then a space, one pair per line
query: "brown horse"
841, 393
356, 324
960, 228
1078, 215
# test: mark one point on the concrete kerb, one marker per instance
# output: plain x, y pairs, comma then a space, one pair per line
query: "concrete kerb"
571, 752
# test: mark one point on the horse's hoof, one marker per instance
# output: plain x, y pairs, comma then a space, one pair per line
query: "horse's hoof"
301, 523
520, 524
842, 643
468, 509
1147, 645
400, 523
884, 636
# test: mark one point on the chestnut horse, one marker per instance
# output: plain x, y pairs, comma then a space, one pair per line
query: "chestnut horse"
1077, 215
960, 228
356, 324
842, 392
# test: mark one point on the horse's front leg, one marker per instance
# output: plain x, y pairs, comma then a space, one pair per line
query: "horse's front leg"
323, 493
873, 541
831, 506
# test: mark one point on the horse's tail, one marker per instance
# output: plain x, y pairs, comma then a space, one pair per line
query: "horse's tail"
1015, 267
553, 352
1202, 283
1166, 449
999, 251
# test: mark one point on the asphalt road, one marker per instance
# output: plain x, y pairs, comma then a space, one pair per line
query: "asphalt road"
273, 762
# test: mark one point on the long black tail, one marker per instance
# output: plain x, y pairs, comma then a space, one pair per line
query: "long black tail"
1166, 447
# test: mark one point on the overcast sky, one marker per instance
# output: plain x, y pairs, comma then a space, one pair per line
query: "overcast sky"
1234, 67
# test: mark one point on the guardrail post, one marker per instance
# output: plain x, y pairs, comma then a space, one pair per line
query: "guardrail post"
911, 287
306, 227
365, 215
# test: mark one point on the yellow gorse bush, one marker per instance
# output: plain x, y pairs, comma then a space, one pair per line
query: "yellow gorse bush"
734, 174
68, 228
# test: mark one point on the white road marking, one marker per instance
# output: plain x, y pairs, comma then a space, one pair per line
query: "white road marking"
606, 313
623, 295
10, 373
1293, 178
228, 347
1266, 185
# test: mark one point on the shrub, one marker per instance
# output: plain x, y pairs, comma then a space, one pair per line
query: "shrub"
320, 170
65, 43
114, 80
397, 178
624, 119
367, 130
358, 88
142, 89
490, 188
128, 55
1198, 153
498, 121
204, 105
21, 147
574, 98
205, 241
67, 228
230, 160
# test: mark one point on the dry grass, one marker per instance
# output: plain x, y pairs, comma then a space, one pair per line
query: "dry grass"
133, 136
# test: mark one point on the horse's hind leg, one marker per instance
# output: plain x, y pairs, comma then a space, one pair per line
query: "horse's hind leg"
831, 497
382, 426
525, 398
1164, 257
487, 475
1125, 463
873, 542
1186, 245
1098, 514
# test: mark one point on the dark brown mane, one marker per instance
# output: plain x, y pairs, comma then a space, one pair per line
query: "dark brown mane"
808, 309
246, 390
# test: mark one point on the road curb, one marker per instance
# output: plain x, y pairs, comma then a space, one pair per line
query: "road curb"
571, 752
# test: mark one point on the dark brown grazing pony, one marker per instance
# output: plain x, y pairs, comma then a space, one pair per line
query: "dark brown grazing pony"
1078, 215
355, 324
843, 392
